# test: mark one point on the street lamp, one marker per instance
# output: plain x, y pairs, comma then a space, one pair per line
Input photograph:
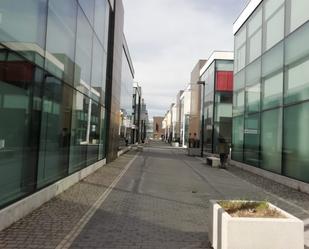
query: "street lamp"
203, 117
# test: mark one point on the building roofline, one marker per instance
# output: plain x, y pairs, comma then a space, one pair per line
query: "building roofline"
217, 55
245, 14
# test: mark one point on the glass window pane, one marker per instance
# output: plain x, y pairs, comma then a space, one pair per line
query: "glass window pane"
88, 8
272, 91
20, 104
255, 23
55, 132
299, 13
255, 46
272, 6
272, 60
297, 82
23, 25
253, 98
60, 43
238, 138
224, 65
240, 49
98, 70
94, 134
239, 80
102, 141
100, 19
296, 46
271, 140
253, 72
83, 54
238, 102
78, 145
252, 139
240, 61
274, 29
296, 137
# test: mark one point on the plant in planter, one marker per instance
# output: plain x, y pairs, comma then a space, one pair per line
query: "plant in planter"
238, 224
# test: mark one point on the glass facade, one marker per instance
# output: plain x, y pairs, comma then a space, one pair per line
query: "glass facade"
271, 90
218, 79
126, 104
53, 59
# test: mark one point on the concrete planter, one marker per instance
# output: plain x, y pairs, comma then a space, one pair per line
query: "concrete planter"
175, 144
227, 232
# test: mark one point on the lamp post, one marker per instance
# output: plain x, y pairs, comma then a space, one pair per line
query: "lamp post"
203, 117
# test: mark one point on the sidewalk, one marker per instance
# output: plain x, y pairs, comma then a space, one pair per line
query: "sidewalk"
46, 227
162, 201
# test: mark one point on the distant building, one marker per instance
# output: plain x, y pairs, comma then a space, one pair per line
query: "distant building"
158, 131
217, 75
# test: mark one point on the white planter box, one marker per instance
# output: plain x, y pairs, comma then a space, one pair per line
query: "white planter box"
227, 232
175, 144
213, 162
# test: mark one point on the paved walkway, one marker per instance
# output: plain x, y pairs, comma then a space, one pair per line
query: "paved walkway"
161, 201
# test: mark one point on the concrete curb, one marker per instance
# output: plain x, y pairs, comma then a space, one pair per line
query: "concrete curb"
289, 182
20, 209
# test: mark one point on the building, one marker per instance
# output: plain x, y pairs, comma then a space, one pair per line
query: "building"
185, 103
158, 132
271, 91
217, 75
137, 102
144, 122
60, 83
126, 95
191, 107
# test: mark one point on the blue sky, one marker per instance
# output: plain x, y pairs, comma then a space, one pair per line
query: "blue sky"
166, 38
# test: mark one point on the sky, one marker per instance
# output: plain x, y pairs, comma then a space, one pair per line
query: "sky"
166, 38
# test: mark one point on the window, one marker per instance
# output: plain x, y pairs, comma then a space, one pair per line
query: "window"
272, 91
98, 71
240, 49
102, 140
253, 98
271, 140
55, 132
296, 137
239, 80
23, 25
253, 73
299, 13
93, 133
60, 42
79, 132
252, 139
238, 102
224, 65
101, 19
88, 8
297, 61
20, 104
274, 22
272, 60
83, 53
238, 138
255, 36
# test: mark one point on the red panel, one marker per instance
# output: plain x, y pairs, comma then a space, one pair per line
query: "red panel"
224, 80
15, 71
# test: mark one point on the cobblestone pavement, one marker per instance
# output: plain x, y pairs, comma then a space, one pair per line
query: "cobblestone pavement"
47, 226
161, 202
